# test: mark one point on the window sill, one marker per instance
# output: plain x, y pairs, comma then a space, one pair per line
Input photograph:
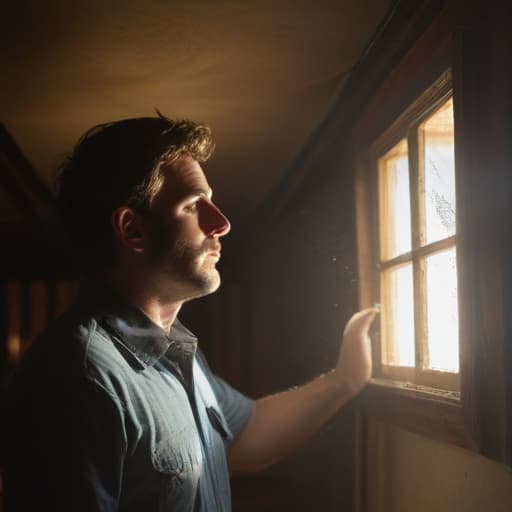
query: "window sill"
430, 412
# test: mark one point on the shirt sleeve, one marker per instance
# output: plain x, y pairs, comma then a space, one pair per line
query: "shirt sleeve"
236, 407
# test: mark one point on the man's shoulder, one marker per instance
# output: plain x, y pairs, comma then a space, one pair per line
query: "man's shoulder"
75, 345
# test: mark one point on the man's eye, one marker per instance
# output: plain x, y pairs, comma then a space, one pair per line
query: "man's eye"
191, 207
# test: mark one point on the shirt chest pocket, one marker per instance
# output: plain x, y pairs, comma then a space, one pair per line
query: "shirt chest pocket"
219, 423
210, 405
178, 461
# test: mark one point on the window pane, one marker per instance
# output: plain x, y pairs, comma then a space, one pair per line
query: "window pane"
397, 316
439, 155
395, 207
442, 311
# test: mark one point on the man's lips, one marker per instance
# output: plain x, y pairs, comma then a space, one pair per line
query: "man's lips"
215, 251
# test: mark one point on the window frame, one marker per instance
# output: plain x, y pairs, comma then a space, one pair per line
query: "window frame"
447, 413
420, 44
406, 127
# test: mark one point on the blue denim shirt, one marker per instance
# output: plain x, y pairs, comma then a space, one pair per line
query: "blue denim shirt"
107, 412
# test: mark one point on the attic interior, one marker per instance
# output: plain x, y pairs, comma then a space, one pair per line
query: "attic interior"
305, 101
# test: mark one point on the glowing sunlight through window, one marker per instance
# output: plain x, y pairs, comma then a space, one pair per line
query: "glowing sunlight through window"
417, 241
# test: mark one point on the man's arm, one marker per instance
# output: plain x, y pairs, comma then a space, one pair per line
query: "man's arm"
280, 423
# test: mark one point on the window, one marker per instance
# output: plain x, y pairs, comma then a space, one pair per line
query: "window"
417, 279
409, 261
458, 392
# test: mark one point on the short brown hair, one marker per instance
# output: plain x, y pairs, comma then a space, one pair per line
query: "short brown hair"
119, 164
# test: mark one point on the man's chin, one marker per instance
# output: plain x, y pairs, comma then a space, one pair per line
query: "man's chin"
213, 283
207, 284
193, 283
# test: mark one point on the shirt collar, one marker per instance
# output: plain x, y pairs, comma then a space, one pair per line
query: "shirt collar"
141, 340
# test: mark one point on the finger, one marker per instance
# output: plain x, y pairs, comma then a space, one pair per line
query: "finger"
370, 315
362, 320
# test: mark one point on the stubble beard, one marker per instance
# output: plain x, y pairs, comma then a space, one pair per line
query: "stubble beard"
183, 272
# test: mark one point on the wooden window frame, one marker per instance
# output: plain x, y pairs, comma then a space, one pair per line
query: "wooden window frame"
455, 417
406, 127
420, 42
435, 404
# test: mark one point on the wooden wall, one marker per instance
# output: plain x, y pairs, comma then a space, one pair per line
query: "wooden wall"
28, 306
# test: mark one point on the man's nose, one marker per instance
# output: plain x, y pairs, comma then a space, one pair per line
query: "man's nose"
212, 221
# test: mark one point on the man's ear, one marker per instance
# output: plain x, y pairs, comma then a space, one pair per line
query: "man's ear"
129, 229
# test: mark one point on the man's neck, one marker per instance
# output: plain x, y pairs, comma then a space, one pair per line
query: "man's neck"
162, 314
139, 294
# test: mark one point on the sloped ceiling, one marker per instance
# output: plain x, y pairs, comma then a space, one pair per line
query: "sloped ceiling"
261, 74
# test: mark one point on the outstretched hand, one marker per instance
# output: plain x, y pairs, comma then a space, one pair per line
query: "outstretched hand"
354, 367
281, 422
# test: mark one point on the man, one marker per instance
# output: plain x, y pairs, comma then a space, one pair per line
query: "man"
114, 407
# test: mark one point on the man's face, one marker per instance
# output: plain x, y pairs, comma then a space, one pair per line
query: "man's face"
185, 229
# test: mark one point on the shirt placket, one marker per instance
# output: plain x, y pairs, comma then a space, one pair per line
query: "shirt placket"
185, 364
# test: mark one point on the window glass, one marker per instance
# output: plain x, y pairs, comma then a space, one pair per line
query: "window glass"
398, 316
418, 278
442, 311
437, 135
395, 209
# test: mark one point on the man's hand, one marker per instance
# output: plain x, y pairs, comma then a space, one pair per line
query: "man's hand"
279, 423
354, 367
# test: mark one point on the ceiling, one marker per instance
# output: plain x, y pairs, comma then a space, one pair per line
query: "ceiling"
262, 74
